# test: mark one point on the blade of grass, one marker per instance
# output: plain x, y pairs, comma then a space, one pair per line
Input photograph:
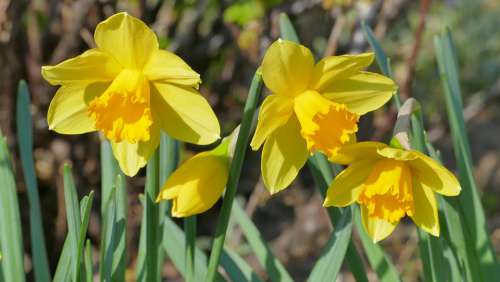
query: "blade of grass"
73, 218
151, 211
328, 265
236, 267
85, 209
25, 137
169, 159
114, 232
190, 247
109, 171
10, 224
274, 269
89, 273
63, 270
234, 174
468, 203
287, 30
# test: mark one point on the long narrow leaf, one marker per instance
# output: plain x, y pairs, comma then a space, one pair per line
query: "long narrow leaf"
25, 137
469, 203
10, 224
274, 269
73, 219
89, 273
234, 174
151, 221
236, 267
328, 265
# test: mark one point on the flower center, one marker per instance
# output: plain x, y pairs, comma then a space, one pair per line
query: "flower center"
388, 193
122, 112
325, 125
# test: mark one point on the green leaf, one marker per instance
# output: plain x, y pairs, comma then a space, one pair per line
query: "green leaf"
25, 137
73, 219
468, 203
234, 174
328, 265
113, 265
10, 224
190, 247
287, 30
274, 269
109, 171
169, 159
63, 269
85, 208
236, 267
151, 220
89, 273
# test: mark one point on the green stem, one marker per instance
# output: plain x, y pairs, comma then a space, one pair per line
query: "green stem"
190, 232
234, 175
151, 210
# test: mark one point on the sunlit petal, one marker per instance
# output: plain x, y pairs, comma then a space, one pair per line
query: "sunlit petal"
426, 210
274, 112
330, 69
184, 114
362, 92
130, 41
164, 66
284, 154
287, 67
347, 185
377, 229
91, 66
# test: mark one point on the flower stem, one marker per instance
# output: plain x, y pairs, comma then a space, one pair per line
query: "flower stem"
151, 217
190, 231
234, 175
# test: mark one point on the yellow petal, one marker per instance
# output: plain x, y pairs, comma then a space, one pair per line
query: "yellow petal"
164, 66
91, 66
333, 68
362, 92
426, 210
68, 109
197, 184
435, 176
358, 151
397, 154
347, 185
127, 39
284, 154
274, 112
325, 125
377, 229
184, 114
287, 67
132, 157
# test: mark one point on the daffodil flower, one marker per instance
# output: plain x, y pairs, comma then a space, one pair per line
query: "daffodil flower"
129, 89
389, 184
312, 107
199, 182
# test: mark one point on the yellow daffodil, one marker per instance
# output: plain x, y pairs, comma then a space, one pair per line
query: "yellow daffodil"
389, 184
198, 183
129, 89
312, 107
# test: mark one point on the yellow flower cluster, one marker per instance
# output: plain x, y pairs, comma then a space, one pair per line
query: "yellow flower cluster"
128, 89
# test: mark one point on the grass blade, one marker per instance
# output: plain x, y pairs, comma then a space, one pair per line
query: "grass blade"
25, 137
73, 218
287, 30
328, 265
190, 247
234, 174
109, 171
10, 224
274, 269
236, 267
468, 203
114, 231
63, 270
151, 211
89, 273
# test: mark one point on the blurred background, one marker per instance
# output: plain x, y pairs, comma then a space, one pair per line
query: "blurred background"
224, 41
